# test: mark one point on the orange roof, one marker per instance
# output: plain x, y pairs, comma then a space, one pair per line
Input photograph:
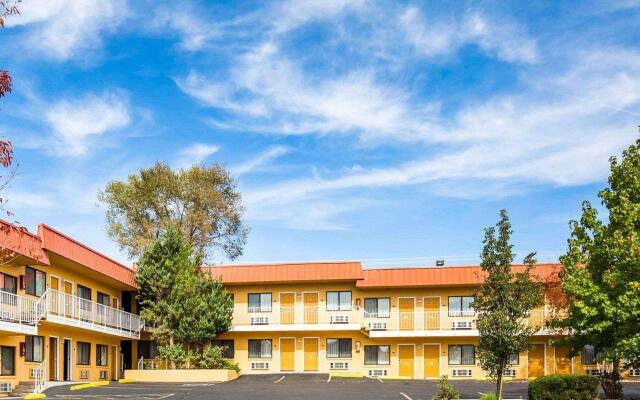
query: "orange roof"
20, 242
289, 272
434, 276
57, 242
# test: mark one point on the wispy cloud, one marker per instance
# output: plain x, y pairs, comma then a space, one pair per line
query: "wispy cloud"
196, 154
260, 160
194, 32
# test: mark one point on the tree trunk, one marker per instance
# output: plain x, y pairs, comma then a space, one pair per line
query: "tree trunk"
499, 381
611, 384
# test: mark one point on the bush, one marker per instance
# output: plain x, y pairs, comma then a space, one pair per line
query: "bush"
213, 358
564, 387
489, 396
445, 390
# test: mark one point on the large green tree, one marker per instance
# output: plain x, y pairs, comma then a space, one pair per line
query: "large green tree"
601, 275
503, 302
186, 307
202, 202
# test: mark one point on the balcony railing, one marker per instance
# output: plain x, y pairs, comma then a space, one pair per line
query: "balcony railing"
420, 321
297, 315
19, 310
72, 310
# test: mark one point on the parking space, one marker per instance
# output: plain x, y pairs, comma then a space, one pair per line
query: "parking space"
298, 386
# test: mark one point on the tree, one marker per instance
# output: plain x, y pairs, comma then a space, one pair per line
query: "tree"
503, 302
187, 308
202, 202
600, 275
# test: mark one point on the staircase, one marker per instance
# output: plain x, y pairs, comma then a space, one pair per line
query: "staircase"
23, 388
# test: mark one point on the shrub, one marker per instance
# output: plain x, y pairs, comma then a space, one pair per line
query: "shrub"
445, 390
564, 387
213, 358
489, 396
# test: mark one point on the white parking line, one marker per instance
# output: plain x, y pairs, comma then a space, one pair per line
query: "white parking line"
405, 396
329, 378
380, 380
279, 380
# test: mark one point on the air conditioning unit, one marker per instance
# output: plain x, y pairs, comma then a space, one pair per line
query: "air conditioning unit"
460, 325
593, 371
5, 387
339, 365
84, 374
634, 372
377, 326
259, 365
377, 372
509, 372
339, 319
260, 320
461, 372
104, 375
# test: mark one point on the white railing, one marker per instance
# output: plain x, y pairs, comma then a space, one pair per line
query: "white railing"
299, 315
141, 363
86, 313
40, 377
18, 309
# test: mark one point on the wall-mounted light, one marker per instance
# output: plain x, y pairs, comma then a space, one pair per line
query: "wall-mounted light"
358, 345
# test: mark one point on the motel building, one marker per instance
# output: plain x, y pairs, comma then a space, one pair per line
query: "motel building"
68, 313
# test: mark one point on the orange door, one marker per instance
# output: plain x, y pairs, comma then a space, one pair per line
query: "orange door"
406, 313
287, 354
287, 304
432, 313
310, 354
563, 362
405, 355
68, 289
536, 360
310, 301
431, 360
55, 285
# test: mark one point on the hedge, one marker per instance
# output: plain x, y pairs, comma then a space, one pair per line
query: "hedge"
564, 387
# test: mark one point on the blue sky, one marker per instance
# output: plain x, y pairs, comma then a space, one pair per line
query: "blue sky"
386, 131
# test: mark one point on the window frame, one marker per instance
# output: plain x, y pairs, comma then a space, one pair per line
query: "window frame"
100, 295
150, 347
461, 312
29, 270
340, 306
516, 356
594, 357
340, 354
462, 347
377, 313
3, 280
378, 346
260, 308
29, 348
79, 353
227, 351
99, 356
13, 360
260, 356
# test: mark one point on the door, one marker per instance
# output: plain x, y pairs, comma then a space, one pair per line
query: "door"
310, 354
431, 360
53, 358
66, 370
287, 304
114, 363
68, 300
405, 355
127, 354
287, 354
563, 362
310, 301
54, 285
405, 304
536, 360
431, 313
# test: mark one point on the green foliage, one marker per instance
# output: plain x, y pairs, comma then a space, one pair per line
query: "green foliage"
564, 387
446, 391
503, 302
489, 396
601, 273
202, 202
174, 353
213, 358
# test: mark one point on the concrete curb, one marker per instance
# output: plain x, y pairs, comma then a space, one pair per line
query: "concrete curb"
89, 385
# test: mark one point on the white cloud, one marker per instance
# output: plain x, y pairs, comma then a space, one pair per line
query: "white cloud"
291, 14
63, 29
195, 34
74, 122
196, 154
260, 160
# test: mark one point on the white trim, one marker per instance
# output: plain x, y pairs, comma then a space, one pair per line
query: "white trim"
413, 314
414, 356
424, 375
295, 366
70, 359
57, 357
318, 309
294, 307
114, 356
439, 311
304, 355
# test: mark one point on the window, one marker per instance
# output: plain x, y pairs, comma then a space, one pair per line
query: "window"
460, 306
34, 348
376, 355
147, 349
462, 354
259, 348
513, 359
83, 292
103, 298
102, 355
589, 355
227, 347
259, 302
83, 353
338, 301
35, 281
378, 307
8, 283
338, 348
7, 360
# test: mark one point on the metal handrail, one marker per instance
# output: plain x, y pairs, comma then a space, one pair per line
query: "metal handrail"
18, 309
40, 377
141, 363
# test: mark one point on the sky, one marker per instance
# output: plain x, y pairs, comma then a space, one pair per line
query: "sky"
390, 132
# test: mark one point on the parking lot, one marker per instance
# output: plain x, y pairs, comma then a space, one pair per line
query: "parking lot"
299, 386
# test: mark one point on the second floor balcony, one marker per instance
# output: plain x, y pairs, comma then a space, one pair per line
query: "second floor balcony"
295, 318
19, 314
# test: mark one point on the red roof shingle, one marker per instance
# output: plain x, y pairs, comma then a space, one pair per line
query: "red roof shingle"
288, 272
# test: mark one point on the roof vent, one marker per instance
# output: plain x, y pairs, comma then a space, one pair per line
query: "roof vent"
439, 263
